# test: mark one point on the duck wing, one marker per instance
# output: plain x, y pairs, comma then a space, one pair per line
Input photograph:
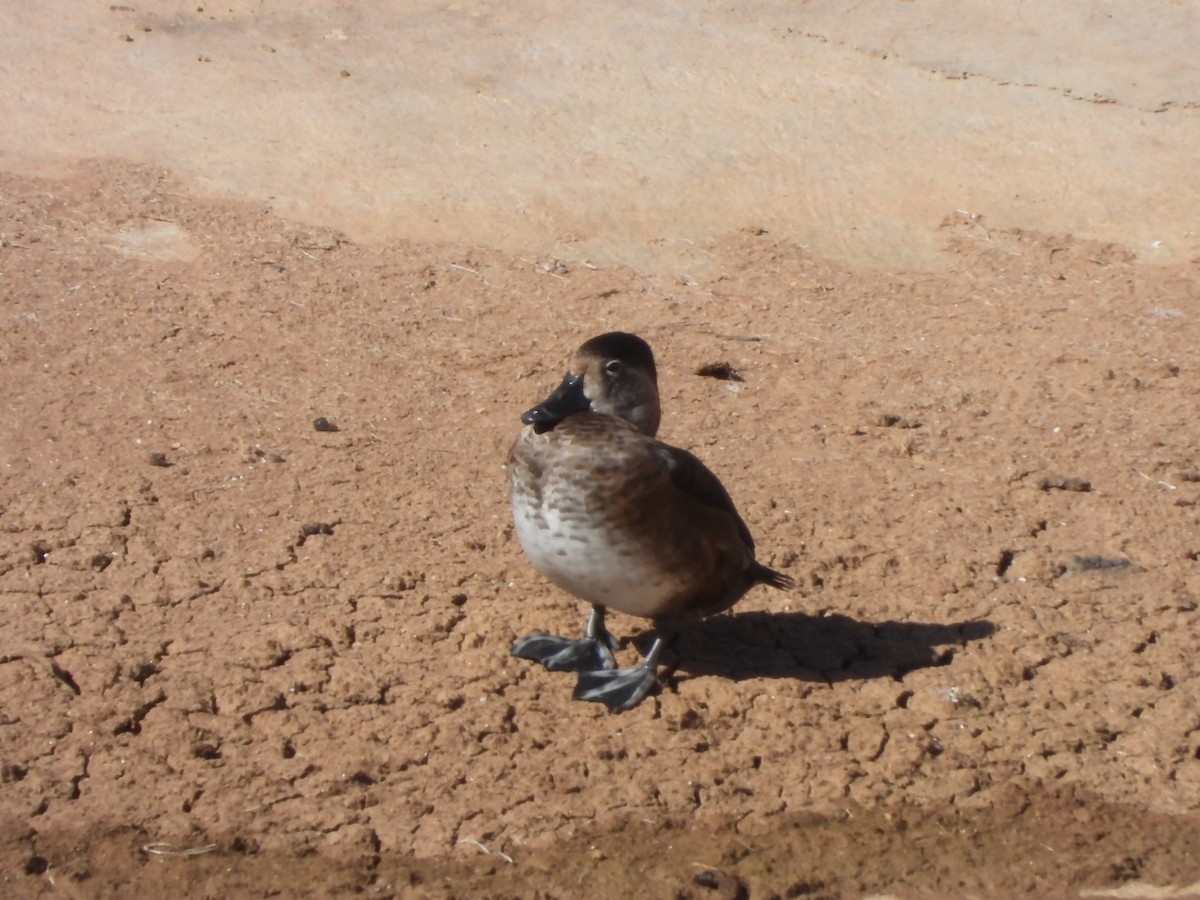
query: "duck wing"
693, 477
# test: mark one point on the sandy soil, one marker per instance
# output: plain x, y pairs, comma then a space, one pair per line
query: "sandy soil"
226, 628
634, 134
244, 656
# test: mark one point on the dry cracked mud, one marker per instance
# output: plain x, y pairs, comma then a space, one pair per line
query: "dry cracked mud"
245, 655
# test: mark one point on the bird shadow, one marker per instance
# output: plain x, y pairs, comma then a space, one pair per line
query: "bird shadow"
827, 648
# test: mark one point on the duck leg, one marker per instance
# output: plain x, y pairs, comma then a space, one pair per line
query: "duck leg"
622, 689
591, 652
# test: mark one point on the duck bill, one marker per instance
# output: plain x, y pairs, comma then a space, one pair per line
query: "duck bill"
567, 399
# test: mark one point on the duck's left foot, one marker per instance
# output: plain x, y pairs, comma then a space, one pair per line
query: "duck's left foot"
618, 689
622, 689
559, 654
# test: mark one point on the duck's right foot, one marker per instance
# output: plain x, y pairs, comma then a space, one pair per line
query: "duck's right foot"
559, 654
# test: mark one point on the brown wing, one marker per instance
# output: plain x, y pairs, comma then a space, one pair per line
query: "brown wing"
695, 478
692, 476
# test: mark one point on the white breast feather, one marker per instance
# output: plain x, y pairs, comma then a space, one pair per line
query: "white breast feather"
586, 562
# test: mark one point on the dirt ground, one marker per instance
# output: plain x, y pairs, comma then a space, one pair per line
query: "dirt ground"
243, 656
951, 253
630, 133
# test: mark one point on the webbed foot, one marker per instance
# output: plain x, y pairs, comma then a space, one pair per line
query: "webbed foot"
591, 652
559, 654
618, 689
621, 689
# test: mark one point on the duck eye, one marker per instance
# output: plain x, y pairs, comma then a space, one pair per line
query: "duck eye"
613, 366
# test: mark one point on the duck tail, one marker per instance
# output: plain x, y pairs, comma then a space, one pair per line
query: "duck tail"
764, 575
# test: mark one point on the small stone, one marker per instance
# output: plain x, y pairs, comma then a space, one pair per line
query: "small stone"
323, 424
728, 887
1065, 483
722, 371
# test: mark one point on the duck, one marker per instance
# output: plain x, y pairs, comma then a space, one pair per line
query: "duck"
621, 520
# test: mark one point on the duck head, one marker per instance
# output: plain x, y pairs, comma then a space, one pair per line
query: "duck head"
612, 375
